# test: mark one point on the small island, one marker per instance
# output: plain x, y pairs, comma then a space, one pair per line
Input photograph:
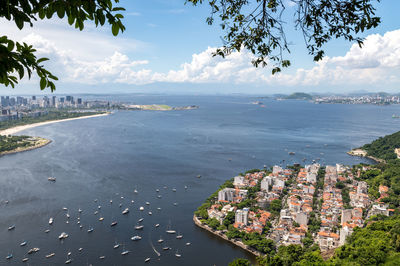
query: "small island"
323, 215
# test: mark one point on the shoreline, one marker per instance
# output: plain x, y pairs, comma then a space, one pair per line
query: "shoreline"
224, 237
362, 153
16, 129
40, 142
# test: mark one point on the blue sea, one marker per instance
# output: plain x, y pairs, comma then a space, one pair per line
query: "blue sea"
106, 158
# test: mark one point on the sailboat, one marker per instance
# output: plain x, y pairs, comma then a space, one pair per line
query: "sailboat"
11, 227
160, 240
124, 252
179, 236
69, 260
9, 256
169, 230
125, 211
177, 254
90, 230
51, 220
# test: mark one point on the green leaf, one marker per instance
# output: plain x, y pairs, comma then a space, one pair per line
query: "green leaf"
43, 83
115, 29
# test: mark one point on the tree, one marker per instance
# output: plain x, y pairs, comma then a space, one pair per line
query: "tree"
258, 25
240, 262
16, 58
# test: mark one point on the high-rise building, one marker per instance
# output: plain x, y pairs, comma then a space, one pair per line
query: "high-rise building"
53, 101
79, 101
33, 98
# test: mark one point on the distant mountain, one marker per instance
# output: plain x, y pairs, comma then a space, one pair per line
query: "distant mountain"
299, 96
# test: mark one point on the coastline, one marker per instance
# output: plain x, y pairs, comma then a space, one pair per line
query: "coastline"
364, 154
39, 142
13, 130
224, 237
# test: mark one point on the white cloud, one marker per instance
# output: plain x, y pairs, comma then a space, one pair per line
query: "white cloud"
98, 59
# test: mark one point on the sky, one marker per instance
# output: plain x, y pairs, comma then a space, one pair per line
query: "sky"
167, 48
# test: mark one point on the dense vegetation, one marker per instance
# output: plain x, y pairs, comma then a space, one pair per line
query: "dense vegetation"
52, 115
383, 148
299, 96
9, 143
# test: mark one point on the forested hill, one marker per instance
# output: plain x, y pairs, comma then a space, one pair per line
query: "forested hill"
383, 148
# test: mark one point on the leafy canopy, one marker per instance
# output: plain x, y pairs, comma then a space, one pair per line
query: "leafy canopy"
258, 25
16, 58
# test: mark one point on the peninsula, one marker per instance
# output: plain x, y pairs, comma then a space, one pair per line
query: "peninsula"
302, 214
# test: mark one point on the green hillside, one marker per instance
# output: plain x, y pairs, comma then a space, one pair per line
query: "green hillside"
383, 148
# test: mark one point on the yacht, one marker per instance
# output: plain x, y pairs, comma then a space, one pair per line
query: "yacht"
132, 201
159, 196
114, 223
188, 244
65, 209
33, 250
125, 211
68, 261
157, 190
99, 207
160, 240
135, 191
120, 205
140, 220
96, 212
68, 215
69, 253
139, 227
174, 189
79, 210
116, 245
102, 257
80, 226
166, 248
50, 255
125, 252
147, 260
175, 204
150, 213
23, 244
159, 208
157, 225
147, 203
25, 259
63, 235
110, 201
101, 219
51, 179
90, 230
9, 256
171, 231
179, 236
186, 187
141, 208
47, 230
12, 227
135, 238
80, 249
177, 254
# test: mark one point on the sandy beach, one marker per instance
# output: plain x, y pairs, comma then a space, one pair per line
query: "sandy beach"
14, 130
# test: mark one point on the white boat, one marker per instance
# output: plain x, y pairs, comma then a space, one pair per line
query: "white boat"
50, 255
132, 201
63, 235
175, 204
160, 240
23, 244
147, 203
188, 244
79, 210
99, 207
110, 201
147, 260
125, 211
67, 222
159, 196
122, 197
135, 238
25, 259
96, 212
102, 257
140, 220
120, 205
68, 261
157, 225
90, 230
174, 189
150, 213
9, 256
166, 248
114, 223
139, 227
80, 249
179, 236
101, 219
33, 250
65, 209
171, 231
157, 190
186, 187
116, 245
11, 227
68, 215
80, 226
135, 191
159, 208
125, 252
141, 208
69, 253
53, 179
47, 230
177, 254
